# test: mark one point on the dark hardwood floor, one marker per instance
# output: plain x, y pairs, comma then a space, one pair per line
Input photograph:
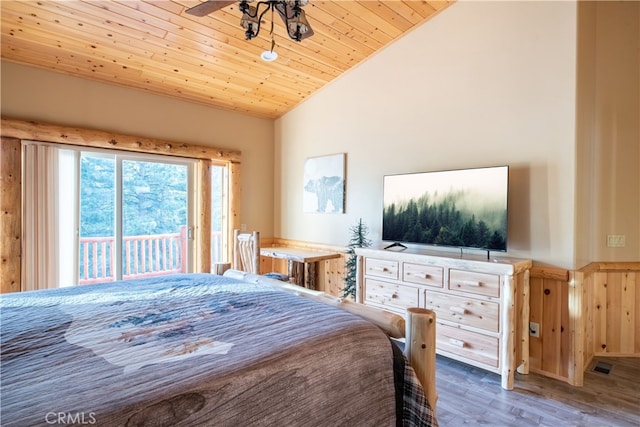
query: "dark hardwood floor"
472, 396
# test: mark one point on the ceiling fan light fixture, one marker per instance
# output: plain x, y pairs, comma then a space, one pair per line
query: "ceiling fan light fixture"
290, 11
298, 26
269, 56
300, 3
250, 21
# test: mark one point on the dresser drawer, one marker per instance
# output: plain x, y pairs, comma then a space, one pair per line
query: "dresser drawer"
465, 311
390, 295
381, 268
422, 274
471, 345
477, 283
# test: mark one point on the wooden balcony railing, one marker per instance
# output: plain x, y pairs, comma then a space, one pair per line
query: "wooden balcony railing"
144, 256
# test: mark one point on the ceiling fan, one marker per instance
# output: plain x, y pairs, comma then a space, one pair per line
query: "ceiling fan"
290, 11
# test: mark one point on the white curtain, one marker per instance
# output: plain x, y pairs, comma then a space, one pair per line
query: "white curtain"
42, 217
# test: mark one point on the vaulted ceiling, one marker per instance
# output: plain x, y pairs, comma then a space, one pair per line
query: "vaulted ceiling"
154, 45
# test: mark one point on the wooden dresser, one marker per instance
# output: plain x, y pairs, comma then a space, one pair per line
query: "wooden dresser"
481, 306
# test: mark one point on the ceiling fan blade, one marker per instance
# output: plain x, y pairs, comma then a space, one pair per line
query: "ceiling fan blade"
289, 12
208, 7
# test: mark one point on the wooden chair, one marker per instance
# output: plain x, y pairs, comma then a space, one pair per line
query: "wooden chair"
246, 251
246, 254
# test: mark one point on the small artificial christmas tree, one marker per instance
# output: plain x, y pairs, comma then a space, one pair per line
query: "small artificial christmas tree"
359, 233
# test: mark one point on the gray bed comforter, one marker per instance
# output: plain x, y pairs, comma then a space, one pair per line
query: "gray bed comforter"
189, 350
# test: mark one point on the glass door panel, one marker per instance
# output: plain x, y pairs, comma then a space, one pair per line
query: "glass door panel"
134, 217
154, 218
97, 218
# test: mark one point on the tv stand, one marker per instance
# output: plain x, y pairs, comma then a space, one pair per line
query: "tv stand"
481, 305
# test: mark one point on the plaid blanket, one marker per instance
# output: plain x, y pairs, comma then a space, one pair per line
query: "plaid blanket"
412, 406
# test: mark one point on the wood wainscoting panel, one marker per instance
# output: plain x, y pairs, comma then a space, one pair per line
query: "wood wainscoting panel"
611, 312
550, 352
594, 311
616, 313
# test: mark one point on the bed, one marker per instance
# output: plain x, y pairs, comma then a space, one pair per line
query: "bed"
201, 349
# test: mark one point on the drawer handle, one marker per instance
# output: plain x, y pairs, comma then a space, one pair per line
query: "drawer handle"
422, 276
459, 310
394, 296
457, 343
383, 269
473, 283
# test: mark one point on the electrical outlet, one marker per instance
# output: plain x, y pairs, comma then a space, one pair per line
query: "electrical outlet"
534, 329
243, 227
616, 240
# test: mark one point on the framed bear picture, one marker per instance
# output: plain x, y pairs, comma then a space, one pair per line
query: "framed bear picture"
324, 184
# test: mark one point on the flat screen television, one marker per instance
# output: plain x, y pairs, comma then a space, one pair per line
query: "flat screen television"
465, 208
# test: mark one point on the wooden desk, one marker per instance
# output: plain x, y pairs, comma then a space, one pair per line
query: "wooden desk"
302, 262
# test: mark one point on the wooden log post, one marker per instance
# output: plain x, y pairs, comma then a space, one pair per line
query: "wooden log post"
220, 267
255, 252
508, 335
420, 344
577, 328
310, 281
203, 241
296, 272
10, 215
525, 313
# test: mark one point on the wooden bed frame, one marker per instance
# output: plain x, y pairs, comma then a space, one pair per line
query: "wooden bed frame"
418, 331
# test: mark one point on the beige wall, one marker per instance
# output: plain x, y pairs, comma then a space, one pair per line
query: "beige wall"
608, 127
34, 94
482, 83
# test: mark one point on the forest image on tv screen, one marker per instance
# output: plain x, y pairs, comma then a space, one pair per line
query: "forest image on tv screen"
459, 208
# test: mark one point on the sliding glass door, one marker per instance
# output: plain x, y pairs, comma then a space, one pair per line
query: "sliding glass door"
135, 217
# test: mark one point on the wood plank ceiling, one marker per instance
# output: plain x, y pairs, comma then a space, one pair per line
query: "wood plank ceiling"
155, 46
